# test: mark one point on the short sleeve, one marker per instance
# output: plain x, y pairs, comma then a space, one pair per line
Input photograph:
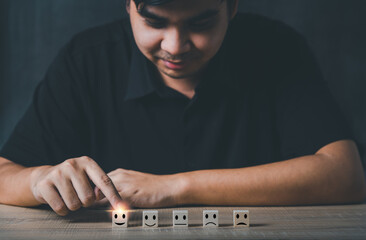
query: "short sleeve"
54, 127
308, 117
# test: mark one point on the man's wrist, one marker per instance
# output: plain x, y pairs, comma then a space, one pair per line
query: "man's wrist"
35, 174
182, 195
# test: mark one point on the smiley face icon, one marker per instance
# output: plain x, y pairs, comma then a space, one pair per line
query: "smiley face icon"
119, 219
150, 219
241, 218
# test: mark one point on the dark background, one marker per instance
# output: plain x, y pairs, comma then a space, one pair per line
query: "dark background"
32, 32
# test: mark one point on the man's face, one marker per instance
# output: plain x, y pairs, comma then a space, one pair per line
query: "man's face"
180, 37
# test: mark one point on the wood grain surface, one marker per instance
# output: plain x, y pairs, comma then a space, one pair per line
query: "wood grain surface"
305, 222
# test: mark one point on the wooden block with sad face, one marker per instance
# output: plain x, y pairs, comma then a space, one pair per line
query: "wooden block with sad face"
241, 218
210, 218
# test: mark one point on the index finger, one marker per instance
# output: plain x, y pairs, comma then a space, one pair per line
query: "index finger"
104, 183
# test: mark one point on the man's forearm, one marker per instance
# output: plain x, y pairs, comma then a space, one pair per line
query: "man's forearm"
315, 179
15, 184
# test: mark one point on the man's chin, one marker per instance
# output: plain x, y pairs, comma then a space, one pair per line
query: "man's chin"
178, 75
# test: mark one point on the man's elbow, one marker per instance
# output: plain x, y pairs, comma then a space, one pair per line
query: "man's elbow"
345, 171
363, 193
359, 189
355, 190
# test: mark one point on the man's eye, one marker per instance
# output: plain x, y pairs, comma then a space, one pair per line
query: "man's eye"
155, 24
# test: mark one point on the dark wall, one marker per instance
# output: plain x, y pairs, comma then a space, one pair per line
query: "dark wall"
32, 31
336, 32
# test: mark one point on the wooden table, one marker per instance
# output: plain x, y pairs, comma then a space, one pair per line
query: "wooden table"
315, 222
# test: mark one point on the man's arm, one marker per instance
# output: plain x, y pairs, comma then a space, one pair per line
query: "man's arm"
333, 175
14, 184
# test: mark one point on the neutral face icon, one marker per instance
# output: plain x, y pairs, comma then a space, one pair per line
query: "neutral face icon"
119, 219
210, 218
241, 218
180, 218
150, 218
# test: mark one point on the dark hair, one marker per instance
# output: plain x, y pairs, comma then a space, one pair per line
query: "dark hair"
140, 4
152, 2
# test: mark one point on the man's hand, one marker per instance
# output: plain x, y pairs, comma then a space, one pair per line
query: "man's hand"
67, 186
147, 190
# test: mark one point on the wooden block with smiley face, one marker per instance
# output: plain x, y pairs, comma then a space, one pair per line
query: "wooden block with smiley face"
241, 218
150, 219
119, 219
210, 218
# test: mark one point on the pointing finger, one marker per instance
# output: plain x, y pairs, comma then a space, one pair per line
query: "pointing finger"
104, 183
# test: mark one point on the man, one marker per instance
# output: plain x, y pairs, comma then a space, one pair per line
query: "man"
201, 104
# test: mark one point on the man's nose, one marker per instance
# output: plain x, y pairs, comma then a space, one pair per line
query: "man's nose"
176, 42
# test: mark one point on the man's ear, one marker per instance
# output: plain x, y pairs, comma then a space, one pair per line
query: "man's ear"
128, 6
234, 9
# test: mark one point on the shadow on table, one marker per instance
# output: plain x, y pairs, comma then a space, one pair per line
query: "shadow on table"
88, 215
83, 215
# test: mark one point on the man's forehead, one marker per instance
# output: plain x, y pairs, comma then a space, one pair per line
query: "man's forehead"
183, 9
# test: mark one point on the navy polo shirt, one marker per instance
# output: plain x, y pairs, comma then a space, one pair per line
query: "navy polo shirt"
261, 100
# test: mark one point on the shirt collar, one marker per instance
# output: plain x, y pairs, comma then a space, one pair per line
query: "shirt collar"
141, 80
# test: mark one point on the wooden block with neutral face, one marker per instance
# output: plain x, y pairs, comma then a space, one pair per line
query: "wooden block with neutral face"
210, 218
150, 219
180, 218
241, 218
119, 219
